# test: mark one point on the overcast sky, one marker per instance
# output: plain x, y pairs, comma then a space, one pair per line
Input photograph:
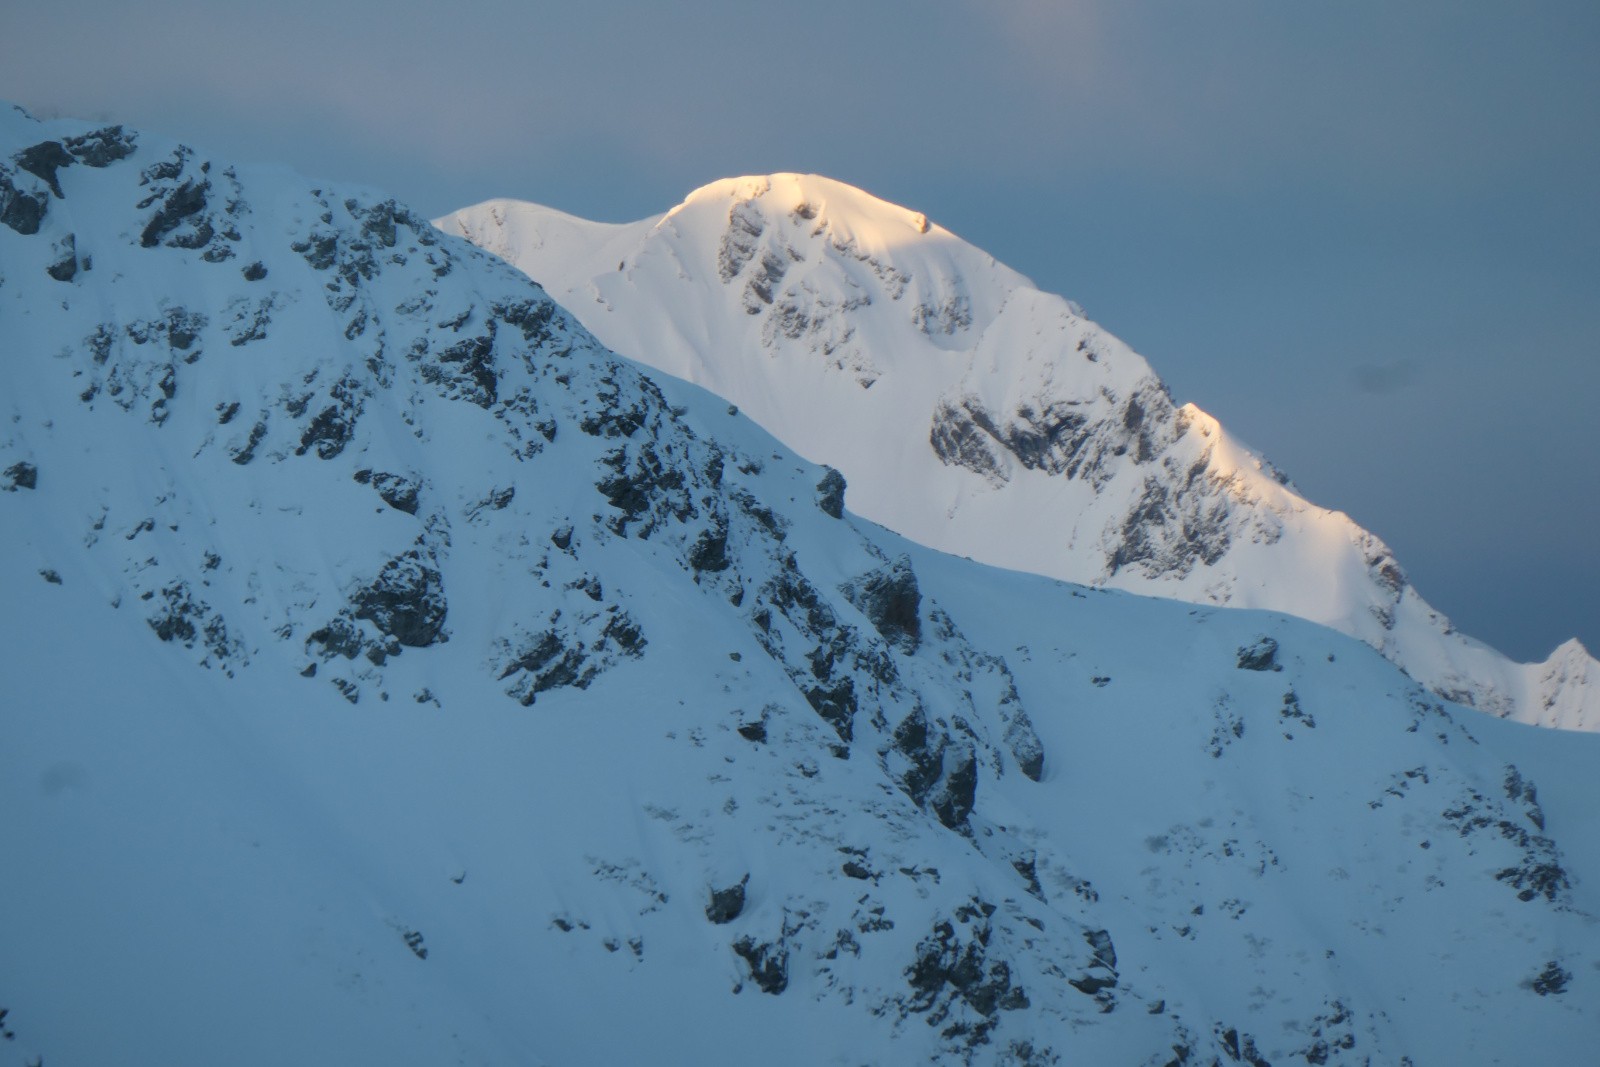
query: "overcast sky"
1364, 235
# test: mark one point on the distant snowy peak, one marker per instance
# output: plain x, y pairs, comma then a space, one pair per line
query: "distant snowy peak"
834, 207
976, 414
1564, 686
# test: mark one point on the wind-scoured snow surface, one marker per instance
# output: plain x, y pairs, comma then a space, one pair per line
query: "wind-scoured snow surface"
975, 414
394, 675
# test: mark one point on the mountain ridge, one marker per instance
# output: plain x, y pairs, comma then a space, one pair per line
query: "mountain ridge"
396, 673
1030, 436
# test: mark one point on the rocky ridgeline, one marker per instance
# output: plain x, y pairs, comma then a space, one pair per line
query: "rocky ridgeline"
407, 343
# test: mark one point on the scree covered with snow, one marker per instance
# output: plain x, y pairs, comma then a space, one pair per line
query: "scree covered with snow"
974, 413
395, 675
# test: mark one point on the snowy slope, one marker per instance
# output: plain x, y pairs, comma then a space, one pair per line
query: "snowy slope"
976, 414
394, 675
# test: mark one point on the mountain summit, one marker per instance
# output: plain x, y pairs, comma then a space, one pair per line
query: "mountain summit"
975, 414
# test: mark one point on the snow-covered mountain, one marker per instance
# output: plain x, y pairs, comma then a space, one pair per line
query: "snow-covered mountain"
394, 675
974, 413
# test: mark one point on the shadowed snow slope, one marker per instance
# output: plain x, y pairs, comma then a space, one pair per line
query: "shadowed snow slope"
975, 414
394, 675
